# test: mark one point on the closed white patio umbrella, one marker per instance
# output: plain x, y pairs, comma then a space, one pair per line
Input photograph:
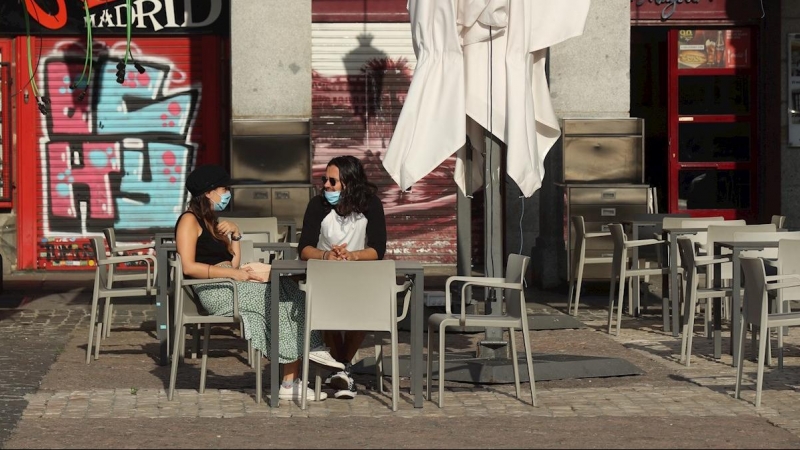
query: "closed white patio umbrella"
454, 41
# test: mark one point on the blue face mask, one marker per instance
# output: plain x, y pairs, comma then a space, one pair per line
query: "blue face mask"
332, 197
223, 201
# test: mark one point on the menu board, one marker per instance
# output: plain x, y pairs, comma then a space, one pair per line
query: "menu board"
702, 49
793, 100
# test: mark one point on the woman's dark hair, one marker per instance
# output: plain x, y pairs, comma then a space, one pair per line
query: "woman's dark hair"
201, 207
357, 189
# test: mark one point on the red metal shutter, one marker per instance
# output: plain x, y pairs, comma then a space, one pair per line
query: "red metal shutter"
361, 74
118, 157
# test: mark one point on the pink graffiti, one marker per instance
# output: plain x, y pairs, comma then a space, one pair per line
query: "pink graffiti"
169, 160
94, 174
69, 116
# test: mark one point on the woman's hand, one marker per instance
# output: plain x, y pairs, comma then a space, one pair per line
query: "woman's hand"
227, 227
340, 253
246, 274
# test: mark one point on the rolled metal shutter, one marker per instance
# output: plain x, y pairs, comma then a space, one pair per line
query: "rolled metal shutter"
117, 156
361, 74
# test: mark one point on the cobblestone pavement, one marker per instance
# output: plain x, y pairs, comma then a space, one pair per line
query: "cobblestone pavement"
47, 392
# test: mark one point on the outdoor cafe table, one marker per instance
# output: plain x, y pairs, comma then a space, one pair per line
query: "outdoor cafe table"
411, 269
164, 246
736, 248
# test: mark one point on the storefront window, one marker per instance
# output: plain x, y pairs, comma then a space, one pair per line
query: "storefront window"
725, 94
713, 189
714, 142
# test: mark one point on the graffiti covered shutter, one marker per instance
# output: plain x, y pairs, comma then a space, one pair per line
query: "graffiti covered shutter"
361, 73
119, 156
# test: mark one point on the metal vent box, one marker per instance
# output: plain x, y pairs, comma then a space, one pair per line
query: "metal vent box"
603, 150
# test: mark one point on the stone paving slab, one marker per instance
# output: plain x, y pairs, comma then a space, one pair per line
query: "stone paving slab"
125, 384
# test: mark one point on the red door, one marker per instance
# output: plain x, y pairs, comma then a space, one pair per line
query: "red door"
712, 122
5, 123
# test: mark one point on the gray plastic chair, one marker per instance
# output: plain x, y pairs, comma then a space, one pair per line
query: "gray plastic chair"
778, 220
579, 260
515, 318
118, 249
756, 312
189, 311
620, 271
104, 288
693, 293
354, 296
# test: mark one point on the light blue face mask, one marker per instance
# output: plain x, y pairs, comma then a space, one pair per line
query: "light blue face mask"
332, 197
223, 201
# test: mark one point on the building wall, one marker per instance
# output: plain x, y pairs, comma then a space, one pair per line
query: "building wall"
589, 77
790, 156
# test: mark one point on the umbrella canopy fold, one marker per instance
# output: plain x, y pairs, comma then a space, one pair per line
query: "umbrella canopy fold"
495, 50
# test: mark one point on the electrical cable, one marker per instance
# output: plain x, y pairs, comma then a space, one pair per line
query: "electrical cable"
42, 101
87, 62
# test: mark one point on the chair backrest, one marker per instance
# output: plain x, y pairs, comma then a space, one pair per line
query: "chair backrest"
259, 225
677, 222
778, 220
351, 295
182, 293
618, 238
789, 264
111, 238
686, 250
755, 293
516, 266
103, 270
580, 239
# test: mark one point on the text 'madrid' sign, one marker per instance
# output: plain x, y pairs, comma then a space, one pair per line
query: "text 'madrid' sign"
66, 17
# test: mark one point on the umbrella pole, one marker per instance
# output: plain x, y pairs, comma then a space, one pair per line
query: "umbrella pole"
493, 345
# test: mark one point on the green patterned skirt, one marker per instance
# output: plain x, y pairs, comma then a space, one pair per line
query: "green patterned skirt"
254, 307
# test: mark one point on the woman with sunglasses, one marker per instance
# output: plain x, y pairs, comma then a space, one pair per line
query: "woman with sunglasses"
344, 223
209, 248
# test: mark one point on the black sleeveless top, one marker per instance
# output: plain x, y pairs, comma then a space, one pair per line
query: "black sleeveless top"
208, 250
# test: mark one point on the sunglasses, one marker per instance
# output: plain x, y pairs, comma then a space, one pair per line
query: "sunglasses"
331, 180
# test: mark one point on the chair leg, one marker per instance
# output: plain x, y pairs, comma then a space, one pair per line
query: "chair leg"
762, 350
92, 321
514, 362
429, 364
204, 358
97, 341
685, 329
257, 361
379, 367
578, 287
395, 371
611, 290
620, 296
690, 330
173, 373
740, 359
441, 364
526, 338
109, 317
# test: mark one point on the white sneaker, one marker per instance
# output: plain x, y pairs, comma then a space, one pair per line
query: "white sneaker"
322, 356
295, 392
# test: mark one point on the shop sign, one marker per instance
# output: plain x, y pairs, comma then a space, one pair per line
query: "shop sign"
67, 17
703, 49
665, 10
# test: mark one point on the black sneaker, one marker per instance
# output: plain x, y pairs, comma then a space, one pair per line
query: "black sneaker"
349, 393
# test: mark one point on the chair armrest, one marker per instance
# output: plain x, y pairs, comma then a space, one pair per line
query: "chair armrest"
771, 262
496, 283
772, 286
597, 234
129, 247
405, 287
231, 281
708, 262
641, 243
124, 259
781, 277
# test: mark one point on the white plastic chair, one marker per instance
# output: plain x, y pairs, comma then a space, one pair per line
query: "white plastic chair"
579, 260
756, 313
620, 272
354, 296
693, 293
516, 317
104, 287
778, 220
189, 311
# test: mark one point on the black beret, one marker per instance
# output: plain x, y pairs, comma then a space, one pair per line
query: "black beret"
206, 178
